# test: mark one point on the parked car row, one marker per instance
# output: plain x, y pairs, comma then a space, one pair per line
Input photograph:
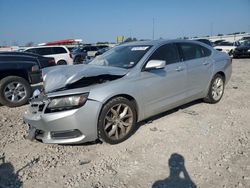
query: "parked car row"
227, 47
235, 49
83, 53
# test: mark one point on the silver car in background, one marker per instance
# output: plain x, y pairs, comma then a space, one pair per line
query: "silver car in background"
129, 83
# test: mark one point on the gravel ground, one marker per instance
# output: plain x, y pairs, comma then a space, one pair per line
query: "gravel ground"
197, 144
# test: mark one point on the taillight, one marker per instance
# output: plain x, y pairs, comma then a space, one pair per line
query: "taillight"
52, 61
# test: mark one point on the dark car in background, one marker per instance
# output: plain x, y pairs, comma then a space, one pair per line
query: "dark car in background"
17, 73
43, 61
243, 50
217, 42
80, 54
205, 41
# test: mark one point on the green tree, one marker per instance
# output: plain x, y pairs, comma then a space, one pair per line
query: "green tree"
130, 39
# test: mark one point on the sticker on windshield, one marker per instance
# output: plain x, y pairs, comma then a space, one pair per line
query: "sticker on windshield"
139, 48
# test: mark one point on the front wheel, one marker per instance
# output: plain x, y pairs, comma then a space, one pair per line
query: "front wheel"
117, 120
216, 89
14, 91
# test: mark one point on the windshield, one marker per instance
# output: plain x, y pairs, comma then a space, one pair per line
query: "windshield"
246, 43
121, 56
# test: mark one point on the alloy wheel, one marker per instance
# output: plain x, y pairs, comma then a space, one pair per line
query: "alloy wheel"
118, 121
217, 88
15, 92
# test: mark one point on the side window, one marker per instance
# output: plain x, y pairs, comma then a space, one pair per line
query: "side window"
44, 51
93, 48
86, 49
206, 51
166, 52
191, 51
59, 50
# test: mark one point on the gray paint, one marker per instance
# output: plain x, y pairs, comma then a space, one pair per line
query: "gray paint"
154, 91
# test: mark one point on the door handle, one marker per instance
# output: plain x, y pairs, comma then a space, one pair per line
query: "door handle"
179, 69
205, 63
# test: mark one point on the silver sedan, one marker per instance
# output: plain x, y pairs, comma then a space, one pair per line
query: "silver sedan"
129, 83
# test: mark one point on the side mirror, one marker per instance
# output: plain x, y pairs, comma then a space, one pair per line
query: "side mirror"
155, 64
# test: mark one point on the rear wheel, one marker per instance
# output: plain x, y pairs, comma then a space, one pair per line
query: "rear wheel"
117, 120
62, 62
216, 89
14, 91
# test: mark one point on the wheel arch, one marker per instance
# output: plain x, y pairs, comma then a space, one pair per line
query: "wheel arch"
20, 73
127, 96
222, 74
62, 60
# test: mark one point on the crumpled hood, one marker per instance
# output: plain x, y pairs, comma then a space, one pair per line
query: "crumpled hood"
58, 77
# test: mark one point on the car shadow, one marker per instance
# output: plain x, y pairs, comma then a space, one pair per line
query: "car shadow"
8, 177
158, 116
178, 174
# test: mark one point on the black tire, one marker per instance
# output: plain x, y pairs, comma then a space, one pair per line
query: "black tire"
103, 135
210, 98
14, 79
230, 53
61, 62
235, 56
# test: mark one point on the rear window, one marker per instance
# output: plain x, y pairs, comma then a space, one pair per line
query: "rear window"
193, 51
59, 50
44, 51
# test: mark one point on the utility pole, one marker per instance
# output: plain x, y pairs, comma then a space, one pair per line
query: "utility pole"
211, 28
153, 28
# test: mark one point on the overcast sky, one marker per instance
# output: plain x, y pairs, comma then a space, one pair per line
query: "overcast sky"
22, 21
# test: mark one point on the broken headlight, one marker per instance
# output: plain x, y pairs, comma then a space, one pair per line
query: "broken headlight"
67, 102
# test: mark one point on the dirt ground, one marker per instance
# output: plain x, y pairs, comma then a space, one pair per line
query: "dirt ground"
196, 145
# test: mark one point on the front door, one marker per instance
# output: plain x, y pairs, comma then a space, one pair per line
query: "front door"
165, 88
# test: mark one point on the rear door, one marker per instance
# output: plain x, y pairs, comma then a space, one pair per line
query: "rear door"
163, 88
59, 53
199, 67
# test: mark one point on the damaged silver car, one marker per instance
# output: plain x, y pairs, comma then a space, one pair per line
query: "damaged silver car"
129, 83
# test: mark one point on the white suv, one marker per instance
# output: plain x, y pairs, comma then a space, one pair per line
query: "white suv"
61, 54
227, 47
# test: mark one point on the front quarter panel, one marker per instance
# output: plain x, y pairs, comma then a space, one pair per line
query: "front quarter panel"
122, 86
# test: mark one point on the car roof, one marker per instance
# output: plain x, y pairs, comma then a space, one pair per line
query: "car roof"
159, 42
47, 46
20, 54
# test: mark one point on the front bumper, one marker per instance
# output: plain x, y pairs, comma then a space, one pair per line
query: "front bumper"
66, 127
